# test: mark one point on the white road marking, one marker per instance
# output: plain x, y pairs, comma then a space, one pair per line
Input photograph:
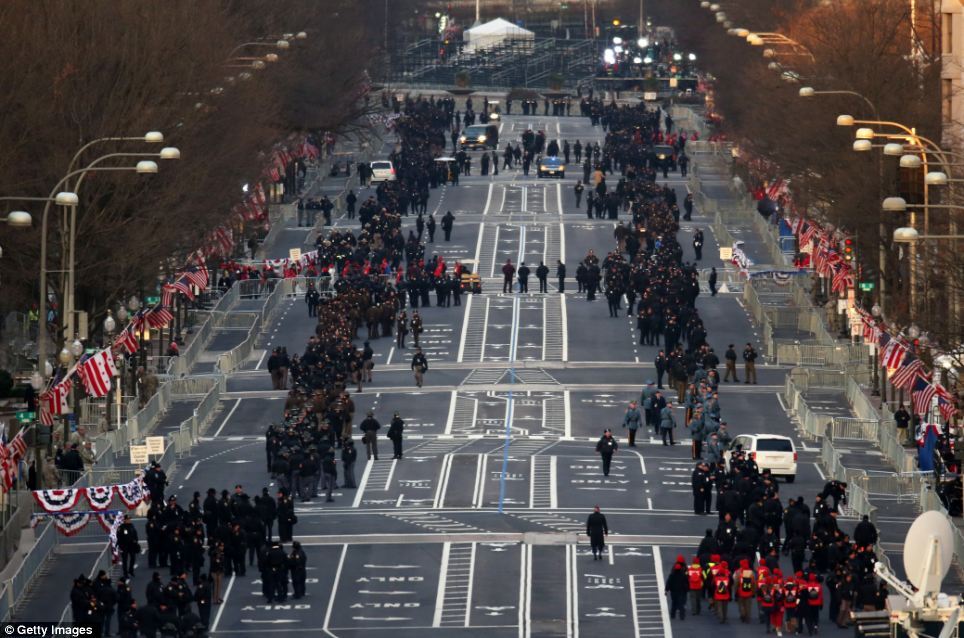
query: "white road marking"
391, 473
660, 581
360, 491
334, 590
388, 361
227, 594
494, 251
525, 197
440, 593
525, 590
820, 472
478, 494
453, 401
227, 418
488, 200
780, 401
485, 328
632, 598
572, 589
565, 330
193, 467
261, 360
465, 319
612, 560
468, 595
553, 482
567, 407
443, 482
559, 201
642, 463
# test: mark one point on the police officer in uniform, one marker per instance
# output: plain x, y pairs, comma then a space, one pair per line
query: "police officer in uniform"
606, 447
597, 529
298, 566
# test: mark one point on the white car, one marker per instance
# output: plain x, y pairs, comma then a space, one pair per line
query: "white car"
382, 171
770, 451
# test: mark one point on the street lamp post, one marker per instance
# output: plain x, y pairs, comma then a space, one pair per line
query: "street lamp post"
875, 311
70, 199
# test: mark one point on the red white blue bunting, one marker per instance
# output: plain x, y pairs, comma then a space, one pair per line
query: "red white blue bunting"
56, 500
72, 522
107, 519
132, 493
100, 496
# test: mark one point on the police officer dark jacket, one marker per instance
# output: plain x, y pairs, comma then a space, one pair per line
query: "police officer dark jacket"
607, 445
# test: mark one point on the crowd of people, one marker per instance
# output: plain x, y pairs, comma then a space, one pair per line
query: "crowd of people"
382, 274
740, 561
200, 547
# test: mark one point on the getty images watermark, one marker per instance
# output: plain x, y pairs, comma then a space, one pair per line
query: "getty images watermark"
45, 629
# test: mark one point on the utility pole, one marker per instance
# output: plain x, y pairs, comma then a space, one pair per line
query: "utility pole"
640, 27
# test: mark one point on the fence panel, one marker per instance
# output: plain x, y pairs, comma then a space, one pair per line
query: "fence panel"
851, 429
20, 582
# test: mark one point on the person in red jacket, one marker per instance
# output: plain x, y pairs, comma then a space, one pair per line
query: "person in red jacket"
744, 580
776, 612
694, 576
721, 590
791, 603
762, 574
813, 598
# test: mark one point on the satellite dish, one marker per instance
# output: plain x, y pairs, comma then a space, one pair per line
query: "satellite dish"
928, 551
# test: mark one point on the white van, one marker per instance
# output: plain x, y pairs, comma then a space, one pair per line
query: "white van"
770, 451
382, 171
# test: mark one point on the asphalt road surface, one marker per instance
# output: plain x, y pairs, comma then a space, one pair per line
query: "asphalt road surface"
475, 531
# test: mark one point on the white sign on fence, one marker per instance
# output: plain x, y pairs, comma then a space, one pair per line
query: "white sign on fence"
139, 455
155, 445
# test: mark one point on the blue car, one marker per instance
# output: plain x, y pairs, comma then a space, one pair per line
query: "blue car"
552, 167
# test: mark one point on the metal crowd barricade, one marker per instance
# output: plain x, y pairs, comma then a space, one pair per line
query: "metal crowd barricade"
853, 429
230, 361
20, 582
190, 430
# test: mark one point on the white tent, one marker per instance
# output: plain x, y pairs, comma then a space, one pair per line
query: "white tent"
493, 33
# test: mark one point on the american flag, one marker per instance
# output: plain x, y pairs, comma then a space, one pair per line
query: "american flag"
45, 417
904, 376
198, 277
843, 278
18, 446
947, 408
167, 294
183, 286
224, 240
126, 340
923, 393
159, 317
807, 232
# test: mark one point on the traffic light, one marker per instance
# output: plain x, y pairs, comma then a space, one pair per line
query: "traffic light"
848, 249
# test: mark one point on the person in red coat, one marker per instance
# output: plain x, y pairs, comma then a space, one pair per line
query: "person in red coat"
813, 599
721, 590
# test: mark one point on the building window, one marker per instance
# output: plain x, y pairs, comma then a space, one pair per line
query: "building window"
947, 33
947, 100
